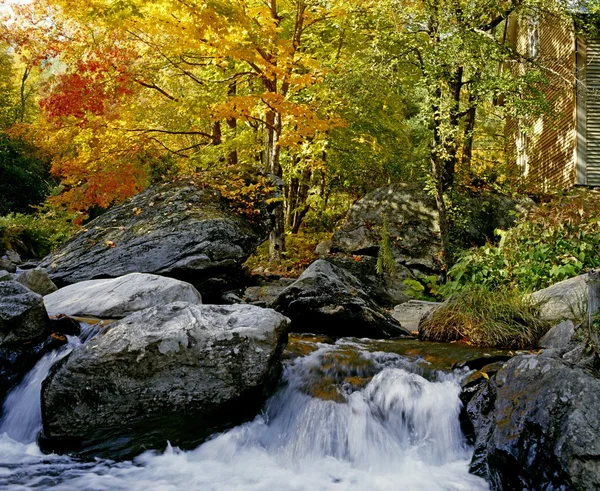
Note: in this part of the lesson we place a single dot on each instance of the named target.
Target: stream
(352, 415)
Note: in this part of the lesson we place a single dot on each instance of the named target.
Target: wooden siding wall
(592, 113)
(551, 144)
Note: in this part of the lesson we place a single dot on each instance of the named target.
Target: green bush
(558, 240)
(487, 318)
(34, 236)
(25, 180)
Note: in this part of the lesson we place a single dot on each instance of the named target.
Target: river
(352, 415)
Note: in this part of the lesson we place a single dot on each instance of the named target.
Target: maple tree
(225, 82)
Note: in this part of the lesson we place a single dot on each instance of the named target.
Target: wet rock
(327, 299)
(23, 317)
(559, 336)
(537, 426)
(19, 358)
(174, 373)
(7, 265)
(119, 297)
(410, 314)
(13, 257)
(564, 300)
(174, 230)
(37, 280)
(6, 276)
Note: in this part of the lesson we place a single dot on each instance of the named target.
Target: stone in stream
(119, 297)
(176, 373)
(327, 299)
(537, 426)
(175, 230)
(24, 332)
(37, 280)
(23, 317)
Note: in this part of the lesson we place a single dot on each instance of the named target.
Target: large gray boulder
(119, 297)
(174, 229)
(23, 317)
(327, 299)
(413, 225)
(537, 426)
(412, 222)
(564, 300)
(174, 373)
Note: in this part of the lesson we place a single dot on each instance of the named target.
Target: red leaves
(97, 82)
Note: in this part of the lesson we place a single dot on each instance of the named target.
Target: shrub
(487, 318)
(35, 235)
(556, 241)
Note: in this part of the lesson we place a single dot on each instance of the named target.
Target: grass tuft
(487, 318)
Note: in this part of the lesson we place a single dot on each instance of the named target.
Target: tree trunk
(273, 165)
(232, 157)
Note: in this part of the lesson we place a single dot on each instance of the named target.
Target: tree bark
(232, 157)
(273, 165)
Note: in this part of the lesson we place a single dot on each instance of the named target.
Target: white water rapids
(397, 431)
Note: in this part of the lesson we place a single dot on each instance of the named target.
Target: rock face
(174, 230)
(564, 300)
(23, 317)
(178, 372)
(327, 299)
(37, 280)
(537, 426)
(119, 297)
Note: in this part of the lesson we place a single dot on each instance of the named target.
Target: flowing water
(346, 417)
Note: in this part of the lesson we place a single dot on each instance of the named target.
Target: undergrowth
(34, 236)
(557, 240)
(488, 318)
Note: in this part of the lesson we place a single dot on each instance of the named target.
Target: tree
(224, 81)
(458, 48)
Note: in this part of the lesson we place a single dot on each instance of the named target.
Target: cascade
(344, 418)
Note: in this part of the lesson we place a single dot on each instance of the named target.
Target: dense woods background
(303, 105)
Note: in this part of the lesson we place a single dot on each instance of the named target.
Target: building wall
(546, 152)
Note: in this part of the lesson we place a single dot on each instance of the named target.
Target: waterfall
(373, 423)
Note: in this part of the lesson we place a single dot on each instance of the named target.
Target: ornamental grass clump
(486, 318)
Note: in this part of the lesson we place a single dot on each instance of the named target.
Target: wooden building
(560, 149)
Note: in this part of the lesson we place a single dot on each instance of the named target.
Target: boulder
(266, 294)
(559, 336)
(327, 299)
(174, 229)
(564, 300)
(412, 223)
(119, 297)
(6, 276)
(37, 280)
(410, 314)
(7, 265)
(537, 426)
(176, 373)
(23, 317)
